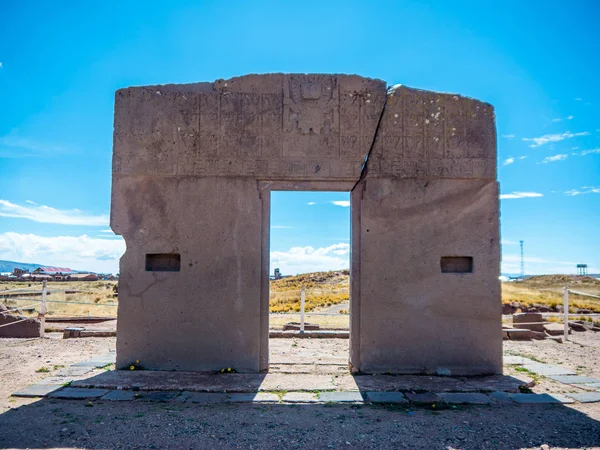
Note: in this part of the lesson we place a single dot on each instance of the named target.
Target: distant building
(20, 272)
(582, 269)
(81, 277)
(53, 271)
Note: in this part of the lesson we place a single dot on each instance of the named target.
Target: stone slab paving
(341, 397)
(501, 397)
(573, 379)
(74, 371)
(119, 395)
(206, 398)
(38, 390)
(586, 397)
(386, 397)
(156, 396)
(300, 397)
(548, 369)
(78, 393)
(422, 397)
(511, 360)
(460, 398)
(594, 386)
(259, 397)
(540, 398)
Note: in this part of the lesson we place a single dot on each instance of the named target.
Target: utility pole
(522, 260)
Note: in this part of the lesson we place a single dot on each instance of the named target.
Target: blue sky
(536, 62)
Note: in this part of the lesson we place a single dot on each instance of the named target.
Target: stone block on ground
(37, 390)
(422, 397)
(386, 397)
(119, 395)
(300, 397)
(207, 398)
(156, 396)
(586, 397)
(577, 326)
(519, 334)
(341, 397)
(554, 329)
(548, 369)
(29, 328)
(296, 326)
(573, 379)
(253, 397)
(540, 398)
(78, 393)
(474, 398)
(529, 321)
(501, 397)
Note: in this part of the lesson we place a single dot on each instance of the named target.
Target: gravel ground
(43, 423)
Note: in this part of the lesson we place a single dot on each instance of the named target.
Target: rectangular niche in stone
(163, 262)
(457, 264)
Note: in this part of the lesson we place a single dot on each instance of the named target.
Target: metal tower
(522, 260)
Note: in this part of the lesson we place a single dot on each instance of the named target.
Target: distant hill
(10, 266)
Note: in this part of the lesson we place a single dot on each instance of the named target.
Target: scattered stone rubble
(531, 325)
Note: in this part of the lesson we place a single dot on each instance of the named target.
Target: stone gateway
(193, 168)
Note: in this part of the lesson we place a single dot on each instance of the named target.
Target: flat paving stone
(461, 398)
(207, 398)
(594, 386)
(386, 397)
(341, 397)
(38, 390)
(501, 397)
(119, 395)
(257, 397)
(548, 369)
(156, 396)
(74, 371)
(78, 393)
(401, 383)
(492, 383)
(540, 398)
(586, 397)
(300, 397)
(574, 379)
(423, 397)
(511, 360)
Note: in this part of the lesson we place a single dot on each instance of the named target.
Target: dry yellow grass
(322, 289)
(94, 299)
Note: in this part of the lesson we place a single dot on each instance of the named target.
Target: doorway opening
(309, 271)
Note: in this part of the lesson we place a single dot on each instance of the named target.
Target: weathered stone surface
(193, 168)
(37, 390)
(473, 398)
(29, 328)
(341, 397)
(540, 398)
(548, 369)
(156, 396)
(256, 397)
(422, 397)
(573, 379)
(554, 329)
(386, 397)
(300, 397)
(586, 397)
(78, 393)
(519, 334)
(529, 321)
(120, 395)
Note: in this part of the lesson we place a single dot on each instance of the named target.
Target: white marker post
(566, 312)
(43, 310)
(302, 299)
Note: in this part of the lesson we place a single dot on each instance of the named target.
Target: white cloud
(76, 252)
(47, 214)
(20, 142)
(522, 157)
(280, 227)
(555, 158)
(570, 117)
(566, 118)
(106, 231)
(312, 203)
(589, 152)
(508, 161)
(542, 140)
(583, 190)
(1, 66)
(556, 120)
(508, 136)
(343, 203)
(308, 259)
(578, 99)
(521, 195)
